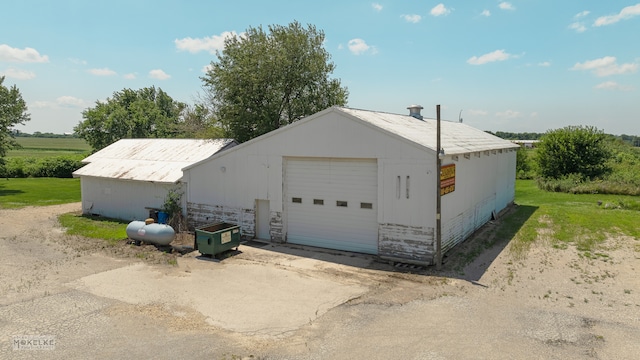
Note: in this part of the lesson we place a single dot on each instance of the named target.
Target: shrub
(58, 167)
(573, 150)
(173, 207)
(567, 183)
(525, 167)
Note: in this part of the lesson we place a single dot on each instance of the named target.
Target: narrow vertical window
(407, 186)
(398, 188)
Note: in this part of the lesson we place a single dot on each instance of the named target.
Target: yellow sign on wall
(447, 179)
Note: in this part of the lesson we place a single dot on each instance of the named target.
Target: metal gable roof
(456, 138)
(155, 160)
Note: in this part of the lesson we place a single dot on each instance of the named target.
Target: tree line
(632, 140)
(45, 135)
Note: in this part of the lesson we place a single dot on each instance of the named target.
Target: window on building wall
(366, 205)
(296, 200)
(318, 202)
(341, 203)
(407, 186)
(398, 188)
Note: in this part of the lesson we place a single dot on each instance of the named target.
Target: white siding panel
(506, 179)
(126, 200)
(351, 228)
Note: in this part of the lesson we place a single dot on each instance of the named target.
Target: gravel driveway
(280, 302)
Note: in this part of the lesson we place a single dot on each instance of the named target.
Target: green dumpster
(216, 238)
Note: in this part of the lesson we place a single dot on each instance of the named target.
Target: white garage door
(331, 203)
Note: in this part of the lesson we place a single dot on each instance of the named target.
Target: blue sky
(520, 66)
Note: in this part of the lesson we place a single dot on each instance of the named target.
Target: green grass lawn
(585, 220)
(17, 193)
(49, 147)
(98, 228)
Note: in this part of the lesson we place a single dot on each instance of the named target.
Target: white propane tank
(156, 234)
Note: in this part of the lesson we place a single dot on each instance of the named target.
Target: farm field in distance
(39, 147)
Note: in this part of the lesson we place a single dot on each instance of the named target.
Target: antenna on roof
(460, 117)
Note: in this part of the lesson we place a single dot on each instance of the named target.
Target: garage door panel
(350, 228)
(323, 242)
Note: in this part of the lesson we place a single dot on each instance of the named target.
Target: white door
(332, 203)
(262, 220)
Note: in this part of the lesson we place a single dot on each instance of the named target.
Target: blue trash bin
(162, 217)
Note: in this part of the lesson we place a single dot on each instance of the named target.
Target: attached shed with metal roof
(131, 176)
(357, 180)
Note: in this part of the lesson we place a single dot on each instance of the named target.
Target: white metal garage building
(131, 176)
(356, 180)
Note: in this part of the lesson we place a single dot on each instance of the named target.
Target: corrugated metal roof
(456, 138)
(156, 160)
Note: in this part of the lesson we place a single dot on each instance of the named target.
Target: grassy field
(17, 193)
(47, 147)
(584, 220)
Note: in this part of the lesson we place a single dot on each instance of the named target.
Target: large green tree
(198, 122)
(581, 150)
(143, 113)
(264, 80)
(13, 111)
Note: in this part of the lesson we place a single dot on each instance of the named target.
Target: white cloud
(498, 55)
(130, 76)
(533, 114)
(69, 101)
(478, 112)
(595, 64)
(40, 104)
(208, 43)
(506, 6)
(102, 72)
(439, 10)
(578, 27)
(509, 114)
(158, 74)
(413, 18)
(359, 46)
(61, 102)
(376, 7)
(544, 63)
(78, 61)
(26, 55)
(612, 85)
(581, 14)
(626, 13)
(19, 74)
(205, 69)
(606, 66)
(486, 13)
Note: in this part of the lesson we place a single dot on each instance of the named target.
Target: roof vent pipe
(414, 110)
